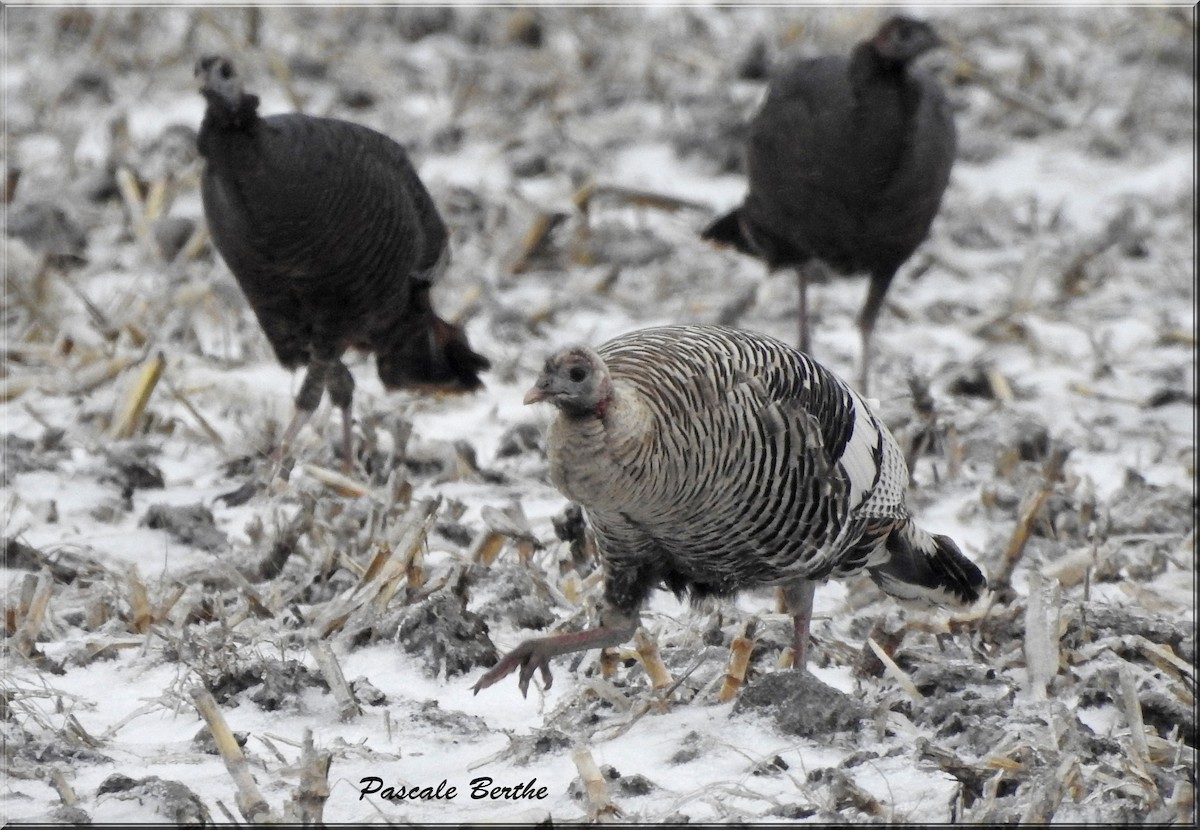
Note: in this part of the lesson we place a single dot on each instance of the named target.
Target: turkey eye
(577, 374)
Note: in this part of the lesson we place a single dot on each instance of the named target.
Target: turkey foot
(535, 654)
(530, 655)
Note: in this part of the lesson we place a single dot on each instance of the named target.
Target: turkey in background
(335, 242)
(848, 159)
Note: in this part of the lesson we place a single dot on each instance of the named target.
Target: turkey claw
(528, 657)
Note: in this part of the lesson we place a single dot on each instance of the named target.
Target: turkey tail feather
(728, 231)
(464, 363)
(431, 356)
(928, 568)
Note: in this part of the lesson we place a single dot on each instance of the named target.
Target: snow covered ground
(1053, 306)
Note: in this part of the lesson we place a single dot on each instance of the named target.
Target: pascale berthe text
(483, 787)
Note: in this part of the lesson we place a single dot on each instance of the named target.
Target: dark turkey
(848, 159)
(335, 243)
(710, 460)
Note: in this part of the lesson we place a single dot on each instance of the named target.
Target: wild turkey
(848, 159)
(710, 460)
(335, 243)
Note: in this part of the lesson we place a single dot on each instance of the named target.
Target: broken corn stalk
(739, 661)
(595, 788)
(898, 674)
(251, 804)
(343, 485)
(126, 423)
(647, 651)
(487, 547)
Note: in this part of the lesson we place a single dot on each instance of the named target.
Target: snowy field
(1036, 357)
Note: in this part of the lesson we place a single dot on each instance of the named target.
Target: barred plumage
(335, 242)
(711, 459)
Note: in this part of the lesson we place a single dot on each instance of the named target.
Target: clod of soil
(800, 704)
(191, 524)
(172, 800)
(450, 638)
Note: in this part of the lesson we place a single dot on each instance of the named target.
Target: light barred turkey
(710, 460)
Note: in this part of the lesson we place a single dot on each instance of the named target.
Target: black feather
(332, 237)
(847, 162)
(928, 572)
(727, 230)
(848, 159)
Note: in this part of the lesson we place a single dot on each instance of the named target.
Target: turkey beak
(203, 67)
(935, 40)
(537, 393)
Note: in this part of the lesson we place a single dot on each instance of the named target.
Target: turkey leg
(799, 598)
(535, 654)
(802, 282)
(341, 392)
(876, 289)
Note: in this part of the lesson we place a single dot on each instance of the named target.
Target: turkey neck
(594, 458)
(884, 102)
(223, 114)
